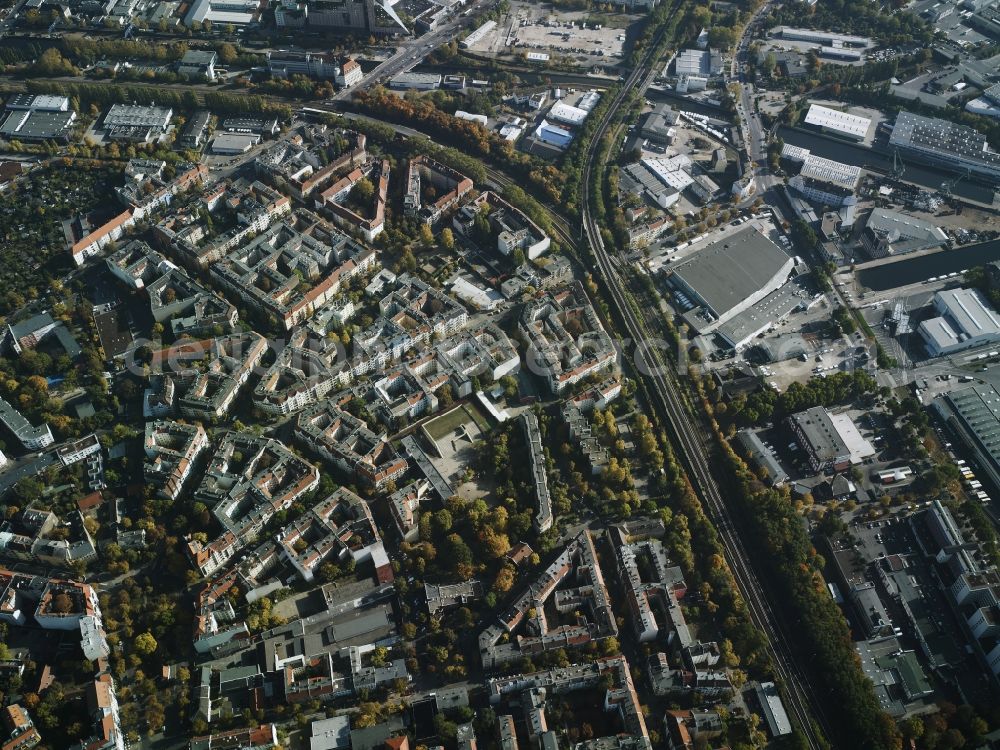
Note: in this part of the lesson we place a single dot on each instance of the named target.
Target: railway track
(559, 224)
(692, 448)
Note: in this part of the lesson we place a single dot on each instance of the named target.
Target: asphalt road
(409, 54)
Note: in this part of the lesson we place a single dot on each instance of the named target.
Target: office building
(889, 232)
(193, 134)
(377, 17)
(831, 441)
(198, 63)
(827, 182)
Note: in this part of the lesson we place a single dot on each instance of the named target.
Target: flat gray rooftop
(727, 272)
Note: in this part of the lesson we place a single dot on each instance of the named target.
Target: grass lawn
(449, 422)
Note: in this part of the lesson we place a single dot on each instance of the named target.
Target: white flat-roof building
(823, 38)
(471, 117)
(567, 114)
(234, 143)
(965, 320)
(774, 710)
(39, 102)
(236, 12)
(416, 81)
(671, 171)
(138, 116)
(478, 35)
(835, 121)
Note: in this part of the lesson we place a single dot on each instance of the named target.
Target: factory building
(945, 144)
(965, 319)
(837, 122)
(729, 276)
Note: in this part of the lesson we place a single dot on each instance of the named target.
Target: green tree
(227, 53)
(145, 644)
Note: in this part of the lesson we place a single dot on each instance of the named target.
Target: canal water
(915, 270)
(861, 156)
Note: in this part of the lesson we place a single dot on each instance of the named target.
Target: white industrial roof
(967, 308)
(670, 172)
(461, 115)
(553, 134)
(568, 114)
(834, 119)
(827, 170)
(51, 102)
(774, 710)
(794, 153)
(589, 100)
(511, 132)
(859, 447)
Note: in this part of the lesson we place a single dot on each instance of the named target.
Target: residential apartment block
(572, 583)
(349, 444)
(171, 451)
(566, 341)
(248, 480)
(448, 185)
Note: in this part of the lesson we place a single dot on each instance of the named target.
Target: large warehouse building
(31, 117)
(945, 144)
(729, 276)
(837, 122)
(964, 320)
(823, 38)
(974, 413)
